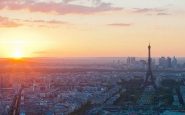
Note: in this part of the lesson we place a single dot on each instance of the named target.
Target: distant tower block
(149, 80)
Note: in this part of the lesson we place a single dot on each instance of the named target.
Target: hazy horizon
(93, 28)
(75, 57)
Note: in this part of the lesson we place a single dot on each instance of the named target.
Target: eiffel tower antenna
(149, 80)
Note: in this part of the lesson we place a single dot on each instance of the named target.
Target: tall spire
(149, 80)
(149, 57)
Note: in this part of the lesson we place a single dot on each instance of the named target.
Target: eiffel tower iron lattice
(149, 80)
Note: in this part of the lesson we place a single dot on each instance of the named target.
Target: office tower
(128, 60)
(174, 62)
(131, 60)
(168, 62)
(162, 62)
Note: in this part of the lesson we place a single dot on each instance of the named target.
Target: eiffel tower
(149, 80)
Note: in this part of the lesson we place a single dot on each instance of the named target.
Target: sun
(17, 54)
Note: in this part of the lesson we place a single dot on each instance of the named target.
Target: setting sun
(17, 55)
(21, 43)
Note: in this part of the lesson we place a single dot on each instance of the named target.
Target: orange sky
(94, 28)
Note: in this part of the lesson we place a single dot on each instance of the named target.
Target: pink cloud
(5, 22)
(60, 8)
(43, 21)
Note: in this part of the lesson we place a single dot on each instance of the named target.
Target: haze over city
(91, 28)
(92, 57)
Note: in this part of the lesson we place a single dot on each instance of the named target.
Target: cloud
(146, 10)
(68, 1)
(163, 14)
(6, 22)
(151, 11)
(119, 24)
(56, 22)
(58, 7)
(43, 21)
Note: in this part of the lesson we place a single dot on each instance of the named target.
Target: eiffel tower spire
(149, 80)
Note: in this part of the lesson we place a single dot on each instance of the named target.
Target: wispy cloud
(120, 24)
(40, 22)
(58, 7)
(43, 21)
(145, 10)
(6, 22)
(151, 11)
(163, 14)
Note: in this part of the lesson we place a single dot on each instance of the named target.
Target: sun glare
(17, 55)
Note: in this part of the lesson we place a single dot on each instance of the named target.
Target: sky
(91, 28)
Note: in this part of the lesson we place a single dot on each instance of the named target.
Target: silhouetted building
(169, 62)
(131, 60)
(162, 62)
(142, 64)
(150, 80)
(174, 62)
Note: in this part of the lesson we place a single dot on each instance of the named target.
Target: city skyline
(94, 28)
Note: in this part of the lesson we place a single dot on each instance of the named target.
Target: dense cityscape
(115, 87)
(92, 57)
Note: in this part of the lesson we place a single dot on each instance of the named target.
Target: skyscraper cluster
(167, 62)
(136, 64)
(131, 60)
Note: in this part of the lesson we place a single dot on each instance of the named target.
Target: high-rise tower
(149, 80)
